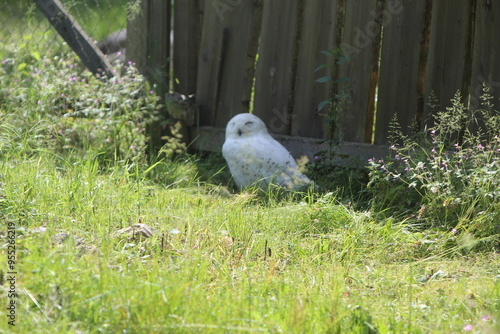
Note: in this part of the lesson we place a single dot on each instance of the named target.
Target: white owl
(254, 157)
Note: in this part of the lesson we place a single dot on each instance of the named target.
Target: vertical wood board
(137, 30)
(148, 41)
(486, 54)
(158, 68)
(188, 23)
(275, 66)
(209, 63)
(318, 34)
(224, 81)
(360, 30)
(447, 52)
(399, 69)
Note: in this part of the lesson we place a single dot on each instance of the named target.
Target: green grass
(223, 263)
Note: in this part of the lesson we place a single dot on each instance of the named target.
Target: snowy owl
(254, 157)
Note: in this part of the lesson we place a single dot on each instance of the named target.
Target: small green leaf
(21, 66)
(328, 52)
(343, 59)
(320, 67)
(323, 104)
(36, 55)
(324, 79)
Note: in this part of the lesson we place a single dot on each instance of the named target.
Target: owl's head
(245, 125)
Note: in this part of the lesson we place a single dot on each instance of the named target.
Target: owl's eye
(248, 123)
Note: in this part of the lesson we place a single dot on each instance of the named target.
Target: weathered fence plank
(159, 44)
(422, 67)
(360, 31)
(399, 69)
(447, 52)
(188, 23)
(75, 36)
(275, 66)
(137, 35)
(209, 64)
(318, 34)
(148, 46)
(486, 54)
(226, 62)
(148, 34)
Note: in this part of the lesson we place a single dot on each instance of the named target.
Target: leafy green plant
(348, 181)
(323, 169)
(333, 109)
(82, 112)
(448, 177)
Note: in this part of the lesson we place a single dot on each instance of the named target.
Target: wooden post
(486, 50)
(317, 34)
(75, 36)
(275, 67)
(399, 71)
(361, 35)
(148, 46)
(137, 30)
(148, 42)
(188, 21)
(226, 59)
(447, 61)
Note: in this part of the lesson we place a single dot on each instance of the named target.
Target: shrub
(448, 176)
(107, 116)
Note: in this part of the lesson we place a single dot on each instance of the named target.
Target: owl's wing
(290, 177)
(262, 159)
(282, 167)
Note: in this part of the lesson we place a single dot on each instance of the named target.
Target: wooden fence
(260, 55)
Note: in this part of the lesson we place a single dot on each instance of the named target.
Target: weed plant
(74, 111)
(447, 177)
